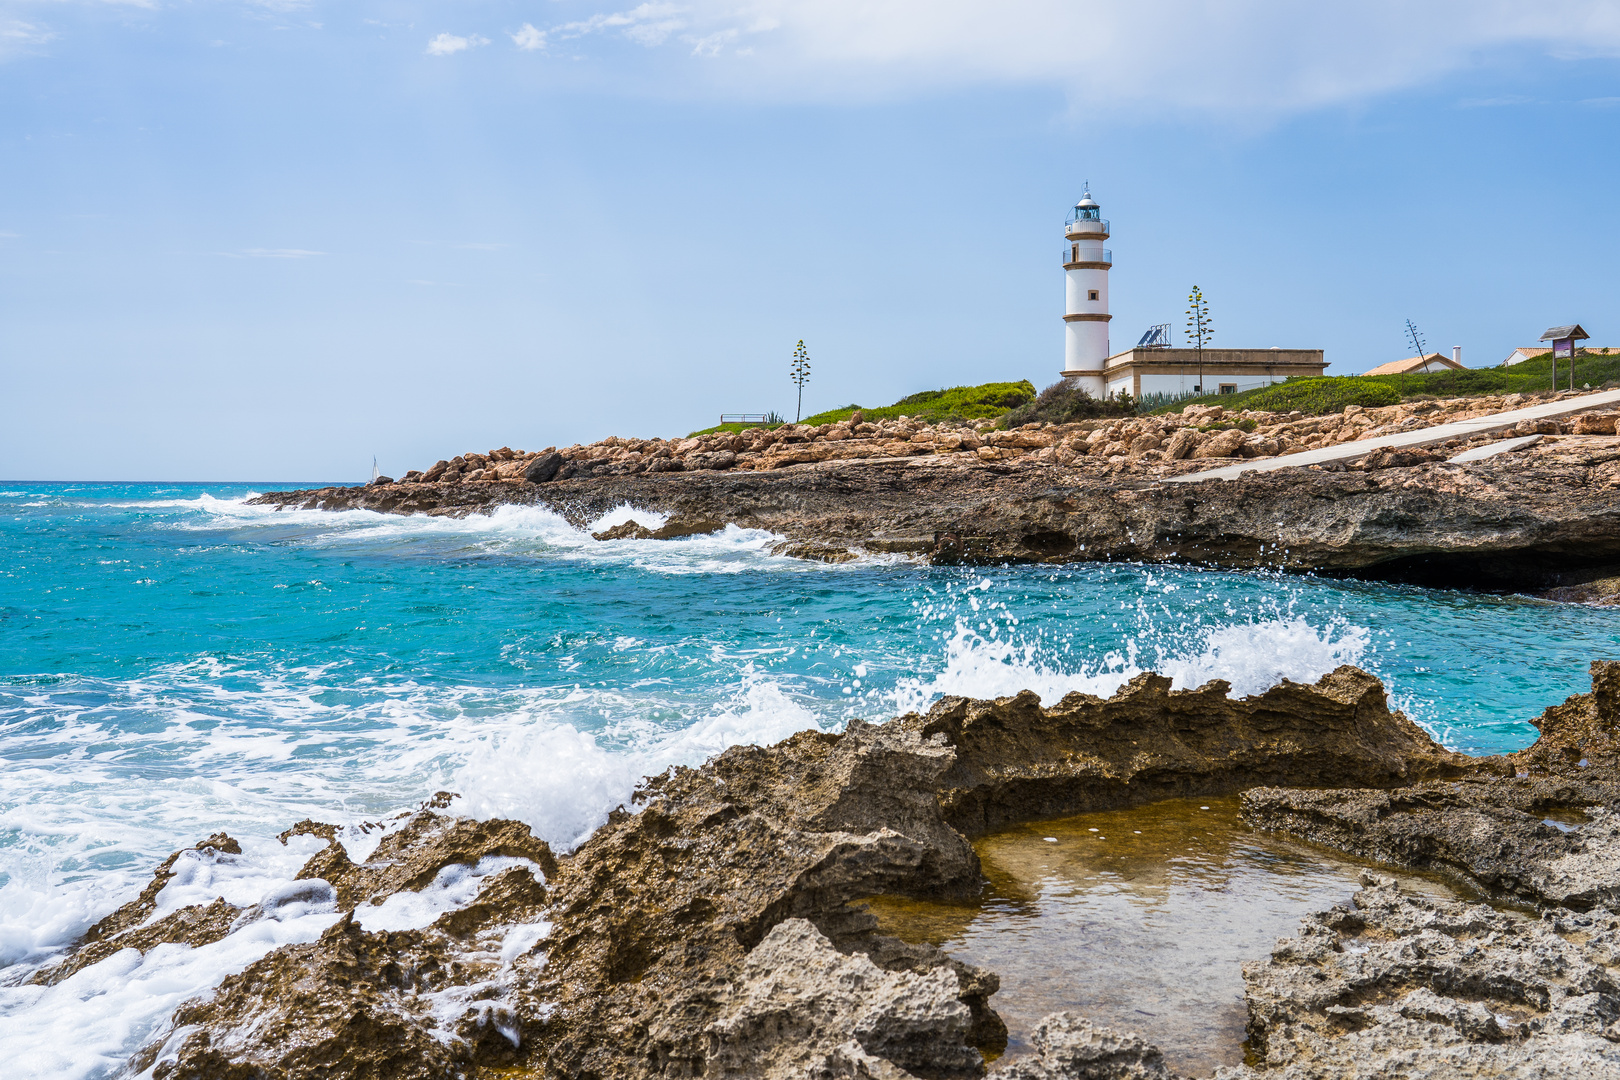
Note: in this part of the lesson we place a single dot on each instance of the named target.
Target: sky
(270, 240)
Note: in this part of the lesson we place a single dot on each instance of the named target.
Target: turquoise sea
(174, 662)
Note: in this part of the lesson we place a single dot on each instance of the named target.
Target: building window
(1228, 388)
(1092, 295)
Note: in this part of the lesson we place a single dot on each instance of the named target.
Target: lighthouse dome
(1086, 209)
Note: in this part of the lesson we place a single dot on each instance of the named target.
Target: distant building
(1152, 367)
(1417, 365)
(1520, 355)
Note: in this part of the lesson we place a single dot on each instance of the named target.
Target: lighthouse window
(1091, 295)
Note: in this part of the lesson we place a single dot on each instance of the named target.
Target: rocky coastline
(717, 928)
(1544, 519)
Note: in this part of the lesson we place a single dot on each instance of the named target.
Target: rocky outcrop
(1198, 431)
(1537, 827)
(1397, 986)
(719, 930)
(802, 1008)
(1407, 986)
(422, 1003)
(1547, 517)
(1070, 1047)
(1015, 761)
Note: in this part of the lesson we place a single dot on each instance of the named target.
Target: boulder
(543, 468)
(720, 459)
(1221, 444)
(1593, 424)
(1182, 444)
(629, 530)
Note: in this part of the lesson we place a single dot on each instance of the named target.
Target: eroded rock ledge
(1544, 518)
(718, 932)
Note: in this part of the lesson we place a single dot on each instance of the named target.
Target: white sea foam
(455, 886)
(563, 782)
(1250, 656)
(88, 1024)
(624, 513)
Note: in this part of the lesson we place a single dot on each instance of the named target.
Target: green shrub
(955, 403)
(1328, 394)
(1064, 401)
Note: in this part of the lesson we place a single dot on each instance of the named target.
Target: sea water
(175, 662)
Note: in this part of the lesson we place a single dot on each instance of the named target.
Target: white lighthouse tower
(1085, 315)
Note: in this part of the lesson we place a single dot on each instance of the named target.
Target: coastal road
(1461, 429)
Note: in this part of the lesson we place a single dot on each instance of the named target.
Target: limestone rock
(1220, 444)
(801, 1004)
(1593, 424)
(1396, 986)
(1070, 1047)
(629, 530)
(1015, 760)
(719, 459)
(1182, 443)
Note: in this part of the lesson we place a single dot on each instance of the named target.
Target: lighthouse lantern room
(1085, 318)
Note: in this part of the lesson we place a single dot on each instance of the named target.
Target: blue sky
(269, 240)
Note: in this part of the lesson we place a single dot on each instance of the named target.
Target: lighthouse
(1085, 314)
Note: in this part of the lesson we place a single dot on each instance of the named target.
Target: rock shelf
(716, 930)
(1543, 518)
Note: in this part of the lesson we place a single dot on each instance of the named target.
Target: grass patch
(1331, 393)
(986, 401)
(983, 402)
(1313, 396)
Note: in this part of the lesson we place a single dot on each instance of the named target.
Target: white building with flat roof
(1152, 366)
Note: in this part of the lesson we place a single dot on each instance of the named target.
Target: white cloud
(19, 38)
(445, 44)
(650, 24)
(529, 39)
(1266, 57)
(276, 253)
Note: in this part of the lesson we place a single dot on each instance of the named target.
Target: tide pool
(174, 662)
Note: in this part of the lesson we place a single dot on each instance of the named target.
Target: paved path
(1461, 429)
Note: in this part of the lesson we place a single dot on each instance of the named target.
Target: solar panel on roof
(1157, 337)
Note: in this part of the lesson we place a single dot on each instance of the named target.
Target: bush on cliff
(1317, 397)
(1065, 401)
(986, 401)
(1311, 396)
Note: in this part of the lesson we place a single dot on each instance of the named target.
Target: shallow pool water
(1137, 919)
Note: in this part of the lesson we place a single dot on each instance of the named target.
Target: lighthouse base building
(1151, 367)
(1177, 372)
